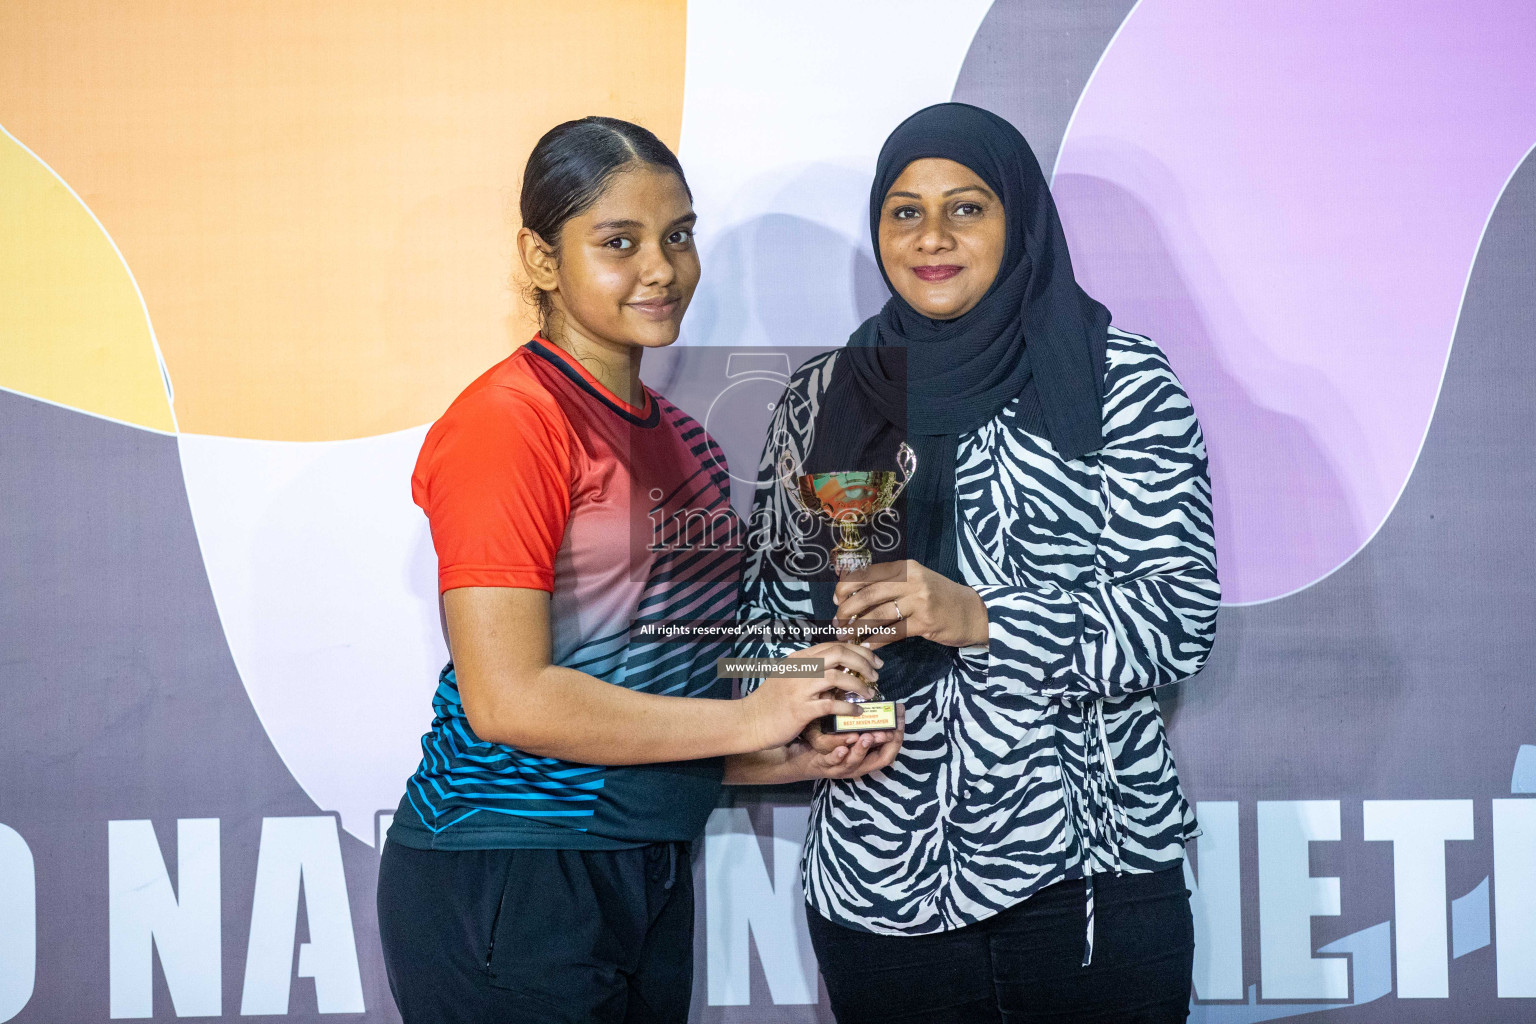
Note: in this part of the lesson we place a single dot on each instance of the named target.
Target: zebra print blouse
(1041, 755)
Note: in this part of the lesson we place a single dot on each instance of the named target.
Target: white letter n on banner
(739, 899)
(1216, 899)
(144, 912)
(295, 850)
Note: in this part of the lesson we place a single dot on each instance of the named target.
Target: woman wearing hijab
(1021, 858)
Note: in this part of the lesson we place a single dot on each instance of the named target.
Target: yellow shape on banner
(72, 329)
(319, 200)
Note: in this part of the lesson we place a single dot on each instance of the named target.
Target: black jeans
(538, 936)
(1025, 964)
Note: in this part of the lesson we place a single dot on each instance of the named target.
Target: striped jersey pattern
(651, 536)
(1041, 755)
(461, 774)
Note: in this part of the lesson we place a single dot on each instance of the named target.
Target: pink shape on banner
(1289, 198)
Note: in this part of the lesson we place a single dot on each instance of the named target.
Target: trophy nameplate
(873, 715)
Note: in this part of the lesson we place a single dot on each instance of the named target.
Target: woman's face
(941, 237)
(628, 267)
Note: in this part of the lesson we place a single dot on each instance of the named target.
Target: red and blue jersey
(538, 476)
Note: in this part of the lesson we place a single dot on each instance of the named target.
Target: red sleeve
(494, 479)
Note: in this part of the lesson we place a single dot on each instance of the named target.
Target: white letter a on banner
(295, 851)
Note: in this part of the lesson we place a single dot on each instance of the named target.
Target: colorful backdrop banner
(249, 251)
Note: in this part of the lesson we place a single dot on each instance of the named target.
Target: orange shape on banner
(318, 200)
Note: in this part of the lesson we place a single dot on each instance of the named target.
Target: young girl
(538, 867)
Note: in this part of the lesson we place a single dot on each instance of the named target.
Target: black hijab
(1035, 337)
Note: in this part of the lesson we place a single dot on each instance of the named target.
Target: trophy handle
(906, 460)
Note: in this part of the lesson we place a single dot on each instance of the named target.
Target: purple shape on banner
(1288, 198)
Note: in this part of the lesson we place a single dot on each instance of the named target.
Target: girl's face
(941, 237)
(628, 267)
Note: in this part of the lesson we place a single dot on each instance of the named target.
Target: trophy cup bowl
(849, 499)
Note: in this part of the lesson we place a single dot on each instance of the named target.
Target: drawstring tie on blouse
(1095, 811)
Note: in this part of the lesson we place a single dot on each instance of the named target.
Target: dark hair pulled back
(569, 169)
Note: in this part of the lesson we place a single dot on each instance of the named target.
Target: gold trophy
(850, 499)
